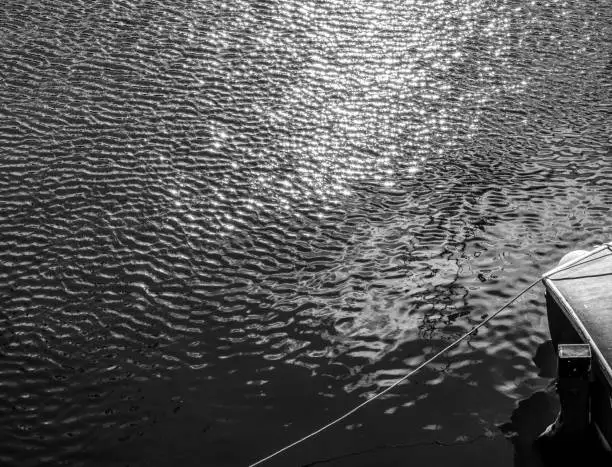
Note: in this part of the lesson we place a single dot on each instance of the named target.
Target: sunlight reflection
(365, 92)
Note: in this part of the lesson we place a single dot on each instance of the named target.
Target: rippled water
(224, 223)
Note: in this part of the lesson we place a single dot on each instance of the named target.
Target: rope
(431, 359)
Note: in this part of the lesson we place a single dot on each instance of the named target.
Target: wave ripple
(221, 221)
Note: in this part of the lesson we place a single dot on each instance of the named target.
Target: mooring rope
(563, 267)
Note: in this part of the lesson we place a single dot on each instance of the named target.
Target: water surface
(225, 223)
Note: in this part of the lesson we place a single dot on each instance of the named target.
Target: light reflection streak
(370, 91)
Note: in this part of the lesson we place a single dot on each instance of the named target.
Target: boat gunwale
(579, 326)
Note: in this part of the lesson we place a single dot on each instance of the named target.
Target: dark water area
(223, 224)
